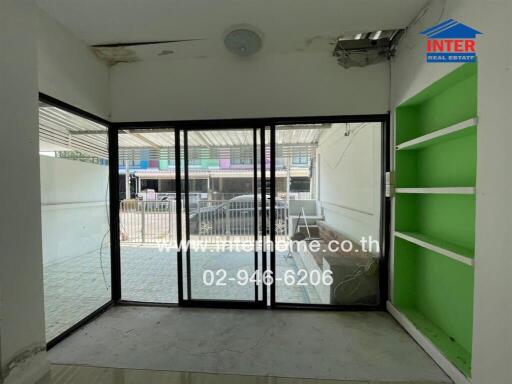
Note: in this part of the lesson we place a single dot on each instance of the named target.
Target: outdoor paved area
(149, 274)
(76, 286)
(73, 288)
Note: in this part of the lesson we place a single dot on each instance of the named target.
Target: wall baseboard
(428, 347)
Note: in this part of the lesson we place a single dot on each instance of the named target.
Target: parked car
(147, 195)
(235, 217)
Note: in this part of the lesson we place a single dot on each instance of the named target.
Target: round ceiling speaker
(243, 42)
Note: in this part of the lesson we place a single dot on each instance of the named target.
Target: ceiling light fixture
(243, 41)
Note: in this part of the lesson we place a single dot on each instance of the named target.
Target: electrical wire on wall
(351, 135)
(107, 287)
(420, 16)
(342, 286)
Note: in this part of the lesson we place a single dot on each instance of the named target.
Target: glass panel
(328, 191)
(147, 215)
(261, 226)
(75, 217)
(184, 233)
(221, 212)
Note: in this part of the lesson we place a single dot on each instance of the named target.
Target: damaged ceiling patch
(114, 55)
(165, 52)
(125, 52)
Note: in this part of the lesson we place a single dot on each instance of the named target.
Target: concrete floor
(361, 346)
(73, 374)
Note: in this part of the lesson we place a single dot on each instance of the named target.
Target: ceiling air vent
(366, 48)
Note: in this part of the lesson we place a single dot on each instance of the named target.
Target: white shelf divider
(443, 190)
(437, 135)
(452, 251)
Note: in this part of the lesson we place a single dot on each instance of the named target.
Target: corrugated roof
(224, 173)
(75, 133)
(72, 132)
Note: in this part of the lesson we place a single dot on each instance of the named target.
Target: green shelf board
(450, 349)
(447, 102)
(449, 81)
(445, 163)
(452, 132)
(453, 251)
(449, 217)
(439, 190)
(435, 195)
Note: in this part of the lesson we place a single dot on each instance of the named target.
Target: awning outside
(224, 173)
(61, 130)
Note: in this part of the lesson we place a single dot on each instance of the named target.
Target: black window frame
(266, 123)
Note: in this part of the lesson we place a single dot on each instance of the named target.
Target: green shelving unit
(435, 173)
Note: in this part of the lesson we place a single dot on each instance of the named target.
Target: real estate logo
(451, 42)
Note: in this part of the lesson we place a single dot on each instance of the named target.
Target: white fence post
(143, 221)
(170, 220)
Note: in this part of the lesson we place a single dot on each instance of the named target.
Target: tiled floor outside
(75, 287)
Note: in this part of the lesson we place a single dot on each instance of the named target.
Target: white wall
(70, 181)
(22, 338)
(69, 70)
(492, 336)
(301, 84)
(74, 204)
(350, 177)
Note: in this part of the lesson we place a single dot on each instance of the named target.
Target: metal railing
(147, 221)
(210, 221)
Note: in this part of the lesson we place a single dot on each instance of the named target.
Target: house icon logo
(451, 42)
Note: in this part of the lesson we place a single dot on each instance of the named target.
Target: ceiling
(286, 25)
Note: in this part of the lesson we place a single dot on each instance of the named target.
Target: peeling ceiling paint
(288, 25)
(114, 55)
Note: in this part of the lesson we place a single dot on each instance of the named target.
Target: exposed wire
(101, 261)
(353, 134)
(105, 235)
(358, 273)
(420, 16)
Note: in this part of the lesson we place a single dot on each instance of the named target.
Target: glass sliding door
(148, 217)
(329, 179)
(223, 207)
(254, 217)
